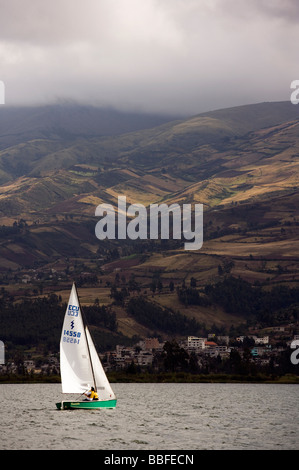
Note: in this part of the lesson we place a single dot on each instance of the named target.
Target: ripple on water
(155, 416)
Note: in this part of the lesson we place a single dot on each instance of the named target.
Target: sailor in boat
(91, 395)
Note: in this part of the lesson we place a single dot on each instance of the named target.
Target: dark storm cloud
(169, 56)
(287, 10)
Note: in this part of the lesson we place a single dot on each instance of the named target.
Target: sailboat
(80, 366)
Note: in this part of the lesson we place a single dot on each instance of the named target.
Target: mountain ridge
(37, 154)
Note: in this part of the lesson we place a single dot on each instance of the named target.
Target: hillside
(241, 163)
(69, 121)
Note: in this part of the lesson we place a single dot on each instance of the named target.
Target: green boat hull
(86, 405)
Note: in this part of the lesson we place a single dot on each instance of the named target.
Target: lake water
(154, 417)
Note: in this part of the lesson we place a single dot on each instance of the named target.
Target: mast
(89, 355)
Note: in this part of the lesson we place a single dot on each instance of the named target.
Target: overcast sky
(170, 56)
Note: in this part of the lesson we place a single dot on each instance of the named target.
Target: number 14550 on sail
(71, 336)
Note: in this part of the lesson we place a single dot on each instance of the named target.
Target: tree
(153, 286)
(235, 361)
(175, 358)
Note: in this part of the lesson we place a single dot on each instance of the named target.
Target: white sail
(102, 384)
(80, 366)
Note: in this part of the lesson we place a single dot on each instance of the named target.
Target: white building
(216, 350)
(223, 339)
(196, 343)
(263, 340)
(144, 358)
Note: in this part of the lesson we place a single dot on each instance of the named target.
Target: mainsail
(80, 366)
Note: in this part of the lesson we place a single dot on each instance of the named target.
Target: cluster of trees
(100, 316)
(14, 229)
(90, 279)
(238, 296)
(30, 322)
(191, 296)
(38, 322)
(155, 317)
(235, 295)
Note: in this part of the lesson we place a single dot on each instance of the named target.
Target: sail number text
(73, 310)
(71, 336)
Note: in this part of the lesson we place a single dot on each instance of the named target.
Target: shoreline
(178, 377)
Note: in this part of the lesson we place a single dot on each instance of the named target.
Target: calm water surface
(154, 417)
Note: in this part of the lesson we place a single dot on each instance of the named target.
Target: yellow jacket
(94, 395)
